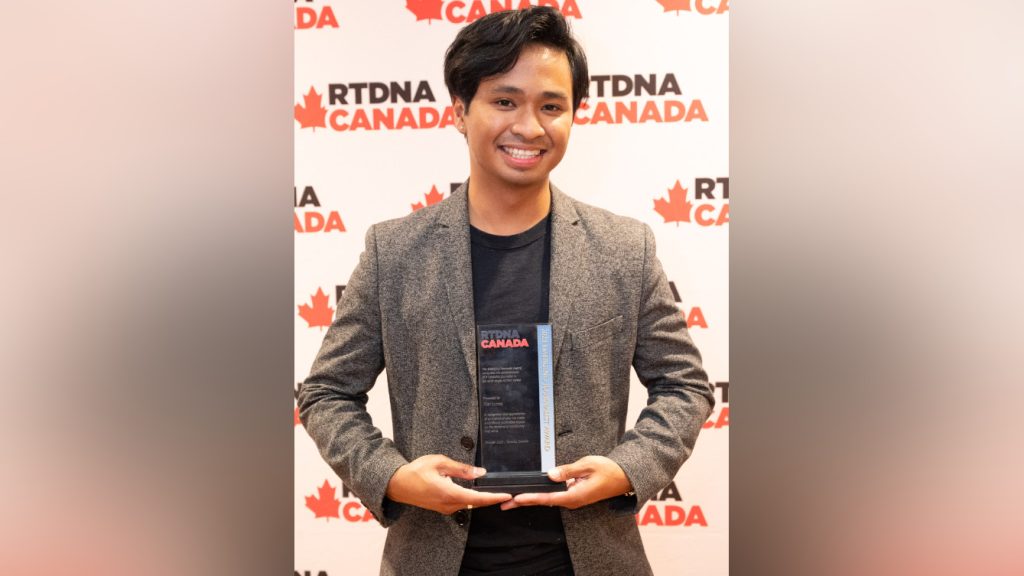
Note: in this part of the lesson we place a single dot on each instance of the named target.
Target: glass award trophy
(517, 408)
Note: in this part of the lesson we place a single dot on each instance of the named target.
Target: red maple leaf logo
(320, 313)
(297, 421)
(676, 5)
(676, 208)
(432, 197)
(311, 114)
(425, 9)
(324, 505)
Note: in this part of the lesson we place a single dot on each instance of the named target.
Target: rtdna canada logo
(705, 210)
(325, 504)
(430, 198)
(313, 219)
(720, 417)
(318, 313)
(464, 12)
(307, 16)
(659, 512)
(372, 106)
(694, 316)
(638, 99)
(704, 7)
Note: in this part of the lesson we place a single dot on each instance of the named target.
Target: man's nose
(527, 125)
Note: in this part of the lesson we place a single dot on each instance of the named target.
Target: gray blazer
(409, 308)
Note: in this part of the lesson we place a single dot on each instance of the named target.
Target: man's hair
(491, 46)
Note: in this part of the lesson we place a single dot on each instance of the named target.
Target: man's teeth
(521, 154)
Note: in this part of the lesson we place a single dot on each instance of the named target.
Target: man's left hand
(590, 479)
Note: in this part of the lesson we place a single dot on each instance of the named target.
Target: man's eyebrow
(508, 89)
(555, 95)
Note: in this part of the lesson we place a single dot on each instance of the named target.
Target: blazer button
(461, 517)
(467, 443)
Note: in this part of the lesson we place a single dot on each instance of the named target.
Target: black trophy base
(517, 483)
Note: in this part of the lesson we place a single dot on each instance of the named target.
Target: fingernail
(555, 474)
(479, 472)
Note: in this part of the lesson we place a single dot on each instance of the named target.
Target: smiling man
(508, 248)
(517, 127)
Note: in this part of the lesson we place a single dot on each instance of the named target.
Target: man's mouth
(521, 153)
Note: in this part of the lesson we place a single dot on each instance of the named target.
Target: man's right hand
(426, 482)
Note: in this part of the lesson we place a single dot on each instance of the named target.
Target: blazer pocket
(596, 334)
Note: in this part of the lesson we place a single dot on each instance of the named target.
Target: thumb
(451, 468)
(566, 471)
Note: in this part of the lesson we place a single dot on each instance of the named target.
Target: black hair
(491, 46)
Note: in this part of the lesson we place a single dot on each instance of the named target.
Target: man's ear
(459, 108)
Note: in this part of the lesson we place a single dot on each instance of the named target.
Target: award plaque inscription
(517, 408)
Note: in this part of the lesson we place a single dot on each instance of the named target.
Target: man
(508, 247)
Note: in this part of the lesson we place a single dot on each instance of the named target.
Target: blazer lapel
(567, 269)
(452, 242)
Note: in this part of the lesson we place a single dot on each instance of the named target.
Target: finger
(509, 504)
(535, 499)
(451, 468)
(490, 498)
(466, 497)
(530, 499)
(567, 499)
(566, 471)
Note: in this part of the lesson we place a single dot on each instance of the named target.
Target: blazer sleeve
(332, 400)
(679, 396)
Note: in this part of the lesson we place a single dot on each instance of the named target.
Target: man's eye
(504, 102)
(553, 107)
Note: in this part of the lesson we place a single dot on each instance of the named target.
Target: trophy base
(517, 483)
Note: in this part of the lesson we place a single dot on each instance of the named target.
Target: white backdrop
(374, 137)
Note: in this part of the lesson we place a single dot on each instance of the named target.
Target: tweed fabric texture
(408, 307)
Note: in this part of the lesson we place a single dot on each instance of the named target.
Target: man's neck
(507, 212)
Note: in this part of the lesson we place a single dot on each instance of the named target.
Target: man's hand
(426, 482)
(590, 479)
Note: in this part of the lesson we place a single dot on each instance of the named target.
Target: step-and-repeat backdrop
(375, 139)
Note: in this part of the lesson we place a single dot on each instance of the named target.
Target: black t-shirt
(510, 285)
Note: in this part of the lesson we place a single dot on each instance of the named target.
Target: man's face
(517, 126)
